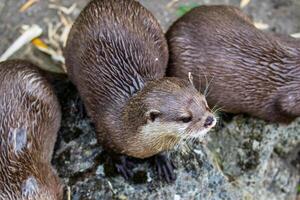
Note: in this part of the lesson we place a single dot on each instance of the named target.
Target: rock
(259, 171)
(239, 163)
(245, 158)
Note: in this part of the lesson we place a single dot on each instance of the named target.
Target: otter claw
(165, 168)
(124, 171)
(124, 167)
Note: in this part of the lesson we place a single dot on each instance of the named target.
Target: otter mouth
(201, 133)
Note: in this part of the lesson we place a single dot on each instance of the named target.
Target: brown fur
(251, 71)
(116, 55)
(29, 121)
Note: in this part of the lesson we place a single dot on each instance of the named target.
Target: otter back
(249, 71)
(29, 122)
(114, 47)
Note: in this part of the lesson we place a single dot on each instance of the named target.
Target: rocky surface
(248, 154)
(245, 158)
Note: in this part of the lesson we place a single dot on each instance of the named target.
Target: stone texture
(245, 158)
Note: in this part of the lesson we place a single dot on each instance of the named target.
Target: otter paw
(165, 168)
(124, 167)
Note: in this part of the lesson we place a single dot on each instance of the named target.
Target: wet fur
(116, 55)
(29, 121)
(252, 71)
(170, 96)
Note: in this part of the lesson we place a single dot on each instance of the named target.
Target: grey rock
(245, 158)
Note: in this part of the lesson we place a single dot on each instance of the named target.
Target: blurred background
(245, 158)
(55, 18)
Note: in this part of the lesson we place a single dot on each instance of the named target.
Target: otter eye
(152, 115)
(186, 119)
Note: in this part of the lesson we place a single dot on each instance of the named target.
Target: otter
(29, 122)
(116, 55)
(250, 71)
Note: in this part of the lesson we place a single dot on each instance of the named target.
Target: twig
(69, 193)
(27, 5)
(295, 35)
(244, 3)
(65, 10)
(33, 32)
(171, 3)
(261, 25)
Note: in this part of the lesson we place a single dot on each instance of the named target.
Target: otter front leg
(122, 164)
(124, 167)
(165, 167)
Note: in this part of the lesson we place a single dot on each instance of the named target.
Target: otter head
(167, 111)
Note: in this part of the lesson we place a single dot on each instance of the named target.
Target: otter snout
(210, 122)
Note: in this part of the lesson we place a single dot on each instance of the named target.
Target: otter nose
(209, 121)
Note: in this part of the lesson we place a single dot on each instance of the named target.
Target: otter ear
(152, 115)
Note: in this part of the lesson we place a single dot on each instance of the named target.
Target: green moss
(279, 150)
(250, 162)
(247, 145)
(248, 197)
(183, 9)
(256, 136)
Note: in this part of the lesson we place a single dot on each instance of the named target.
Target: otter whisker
(214, 108)
(206, 91)
(217, 109)
(207, 84)
(179, 144)
(190, 76)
